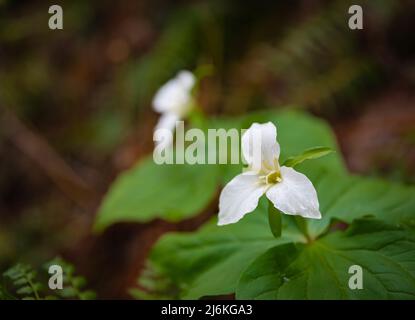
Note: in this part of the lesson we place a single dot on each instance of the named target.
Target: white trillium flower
(174, 101)
(290, 191)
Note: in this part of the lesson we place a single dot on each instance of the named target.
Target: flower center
(273, 177)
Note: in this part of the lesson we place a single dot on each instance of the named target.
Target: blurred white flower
(290, 191)
(174, 101)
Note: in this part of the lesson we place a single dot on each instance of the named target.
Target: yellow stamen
(273, 177)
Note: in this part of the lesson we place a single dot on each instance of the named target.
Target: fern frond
(24, 281)
(73, 285)
(153, 285)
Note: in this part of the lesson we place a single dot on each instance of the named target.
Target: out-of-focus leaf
(150, 191)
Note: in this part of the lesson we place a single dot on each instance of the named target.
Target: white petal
(295, 195)
(260, 147)
(239, 197)
(175, 95)
(167, 121)
(187, 79)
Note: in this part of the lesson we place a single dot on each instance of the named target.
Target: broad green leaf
(313, 153)
(346, 197)
(149, 191)
(210, 261)
(320, 270)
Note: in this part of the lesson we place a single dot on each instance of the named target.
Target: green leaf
(68, 292)
(23, 279)
(73, 284)
(274, 219)
(313, 153)
(20, 282)
(87, 295)
(210, 261)
(24, 290)
(149, 191)
(320, 270)
(78, 282)
(345, 198)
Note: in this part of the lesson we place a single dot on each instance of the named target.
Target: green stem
(302, 226)
(197, 118)
(275, 220)
(37, 297)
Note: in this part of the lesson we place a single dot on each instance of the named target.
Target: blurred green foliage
(21, 281)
